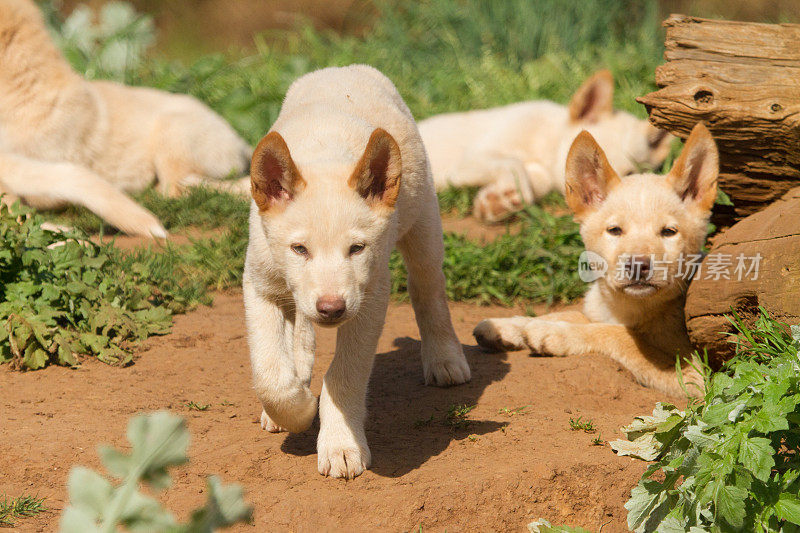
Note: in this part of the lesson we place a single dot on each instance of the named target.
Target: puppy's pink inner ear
(694, 174)
(594, 99)
(273, 175)
(589, 175)
(272, 187)
(376, 177)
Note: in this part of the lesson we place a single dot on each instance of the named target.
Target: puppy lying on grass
(338, 182)
(67, 140)
(643, 227)
(516, 153)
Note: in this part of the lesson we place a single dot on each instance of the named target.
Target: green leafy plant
(111, 46)
(731, 462)
(62, 295)
(20, 507)
(158, 442)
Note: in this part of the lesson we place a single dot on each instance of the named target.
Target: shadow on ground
(407, 421)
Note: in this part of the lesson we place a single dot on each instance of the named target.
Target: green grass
(536, 264)
(442, 55)
(198, 207)
(196, 406)
(457, 201)
(456, 417)
(578, 424)
(20, 507)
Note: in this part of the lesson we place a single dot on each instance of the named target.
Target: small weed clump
(456, 416)
(195, 406)
(578, 424)
(512, 412)
(20, 507)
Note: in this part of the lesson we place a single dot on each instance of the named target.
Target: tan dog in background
(338, 182)
(516, 153)
(67, 140)
(634, 224)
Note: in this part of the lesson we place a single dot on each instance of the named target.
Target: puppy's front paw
(446, 370)
(268, 424)
(342, 456)
(499, 335)
(544, 337)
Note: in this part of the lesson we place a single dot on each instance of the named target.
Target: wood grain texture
(774, 233)
(743, 81)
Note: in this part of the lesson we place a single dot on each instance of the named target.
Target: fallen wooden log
(768, 243)
(743, 81)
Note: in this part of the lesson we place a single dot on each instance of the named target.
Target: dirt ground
(497, 474)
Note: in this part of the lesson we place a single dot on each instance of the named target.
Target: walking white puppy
(340, 179)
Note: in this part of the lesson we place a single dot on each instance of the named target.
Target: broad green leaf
(755, 454)
(89, 491)
(225, 507)
(730, 504)
(76, 520)
(159, 440)
(644, 498)
(788, 508)
(144, 514)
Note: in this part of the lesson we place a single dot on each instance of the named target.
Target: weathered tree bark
(774, 235)
(743, 81)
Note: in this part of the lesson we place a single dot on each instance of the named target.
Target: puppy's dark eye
(299, 249)
(668, 231)
(616, 231)
(356, 249)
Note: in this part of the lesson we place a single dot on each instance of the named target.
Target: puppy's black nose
(638, 267)
(330, 307)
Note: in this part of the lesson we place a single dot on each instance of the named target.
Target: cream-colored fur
(636, 320)
(67, 140)
(516, 153)
(338, 182)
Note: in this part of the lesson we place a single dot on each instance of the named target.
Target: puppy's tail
(47, 185)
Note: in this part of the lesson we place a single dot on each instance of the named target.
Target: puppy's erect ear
(594, 99)
(376, 177)
(274, 178)
(589, 175)
(694, 174)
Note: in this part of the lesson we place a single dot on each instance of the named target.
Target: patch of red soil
(497, 474)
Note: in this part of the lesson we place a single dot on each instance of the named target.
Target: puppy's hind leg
(443, 361)
(46, 185)
(192, 149)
